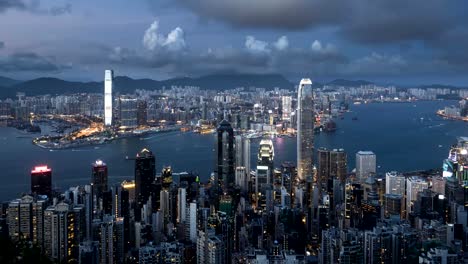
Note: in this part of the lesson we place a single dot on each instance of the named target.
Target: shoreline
(442, 114)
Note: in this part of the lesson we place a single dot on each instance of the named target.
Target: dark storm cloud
(368, 21)
(11, 4)
(291, 14)
(381, 21)
(28, 61)
(34, 6)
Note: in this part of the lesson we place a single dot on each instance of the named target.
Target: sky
(394, 42)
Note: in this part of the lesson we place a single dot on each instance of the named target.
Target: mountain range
(126, 85)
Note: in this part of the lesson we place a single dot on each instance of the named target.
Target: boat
(354, 118)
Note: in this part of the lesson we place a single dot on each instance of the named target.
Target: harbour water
(405, 137)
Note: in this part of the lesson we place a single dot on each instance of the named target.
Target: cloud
(291, 14)
(28, 61)
(2, 44)
(254, 45)
(282, 43)
(11, 4)
(35, 7)
(364, 21)
(378, 64)
(153, 40)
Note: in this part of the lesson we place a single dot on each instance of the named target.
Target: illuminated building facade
(41, 180)
(225, 155)
(365, 164)
(128, 114)
(286, 107)
(99, 178)
(305, 129)
(108, 79)
(145, 172)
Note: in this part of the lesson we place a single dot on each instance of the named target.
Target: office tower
(414, 185)
(338, 164)
(130, 187)
(365, 164)
(266, 155)
(192, 221)
(99, 181)
(142, 113)
(60, 233)
(225, 155)
(286, 107)
(323, 169)
(394, 205)
(181, 205)
(166, 176)
(242, 180)
(305, 129)
(41, 181)
(395, 183)
(438, 185)
(89, 209)
(353, 199)
(242, 148)
(108, 79)
(145, 171)
(111, 240)
(128, 112)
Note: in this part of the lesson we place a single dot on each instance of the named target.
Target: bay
(404, 136)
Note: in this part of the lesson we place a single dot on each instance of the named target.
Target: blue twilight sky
(398, 41)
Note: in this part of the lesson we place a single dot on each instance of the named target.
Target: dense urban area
(311, 210)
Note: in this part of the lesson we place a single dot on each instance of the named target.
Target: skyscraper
(242, 148)
(128, 112)
(145, 171)
(225, 155)
(108, 78)
(41, 181)
(286, 107)
(395, 183)
(99, 179)
(365, 164)
(265, 167)
(60, 233)
(305, 129)
(414, 185)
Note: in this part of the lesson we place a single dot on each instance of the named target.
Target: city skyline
(162, 39)
(249, 132)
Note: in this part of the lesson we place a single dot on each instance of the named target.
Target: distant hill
(349, 83)
(6, 82)
(124, 84)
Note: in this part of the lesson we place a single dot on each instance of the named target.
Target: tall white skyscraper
(287, 107)
(395, 183)
(414, 185)
(181, 205)
(305, 129)
(108, 79)
(365, 164)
